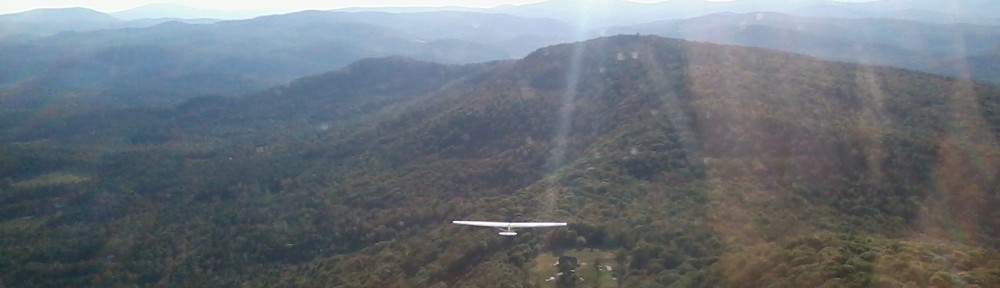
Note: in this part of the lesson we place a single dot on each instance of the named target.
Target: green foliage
(686, 165)
(828, 260)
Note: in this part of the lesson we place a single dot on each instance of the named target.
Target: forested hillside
(677, 164)
(283, 113)
(165, 64)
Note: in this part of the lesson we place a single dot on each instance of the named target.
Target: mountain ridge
(291, 45)
(51, 21)
(84, 70)
(681, 162)
(623, 13)
(886, 42)
(176, 11)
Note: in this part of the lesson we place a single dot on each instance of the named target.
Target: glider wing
(510, 224)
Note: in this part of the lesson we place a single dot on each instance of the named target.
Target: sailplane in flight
(506, 228)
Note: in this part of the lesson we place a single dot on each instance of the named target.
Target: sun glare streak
(966, 164)
(871, 119)
(558, 157)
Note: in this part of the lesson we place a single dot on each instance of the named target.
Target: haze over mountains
(176, 11)
(889, 42)
(600, 13)
(109, 67)
(332, 148)
(164, 64)
(670, 158)
(46, 22)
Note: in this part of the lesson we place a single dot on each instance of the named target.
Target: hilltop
(100, 62)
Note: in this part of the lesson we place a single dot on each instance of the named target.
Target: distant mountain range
(173, 61)
(100, 60)
(603, 13)
(599, 13)
(678, 164)
(46, 22)
(176, 11)
(814, 144)
(900, 43)
(980, 66)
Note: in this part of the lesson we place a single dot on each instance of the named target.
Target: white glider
(507, 227)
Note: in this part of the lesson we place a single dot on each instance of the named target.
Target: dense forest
(677, 164)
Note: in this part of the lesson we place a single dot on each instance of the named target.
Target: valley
(334, 148)
(670, 159)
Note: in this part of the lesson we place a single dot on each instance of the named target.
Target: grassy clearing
(593, 268)
(51, 179)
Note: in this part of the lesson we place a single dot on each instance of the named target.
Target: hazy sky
(271, 6)
(10, 6)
